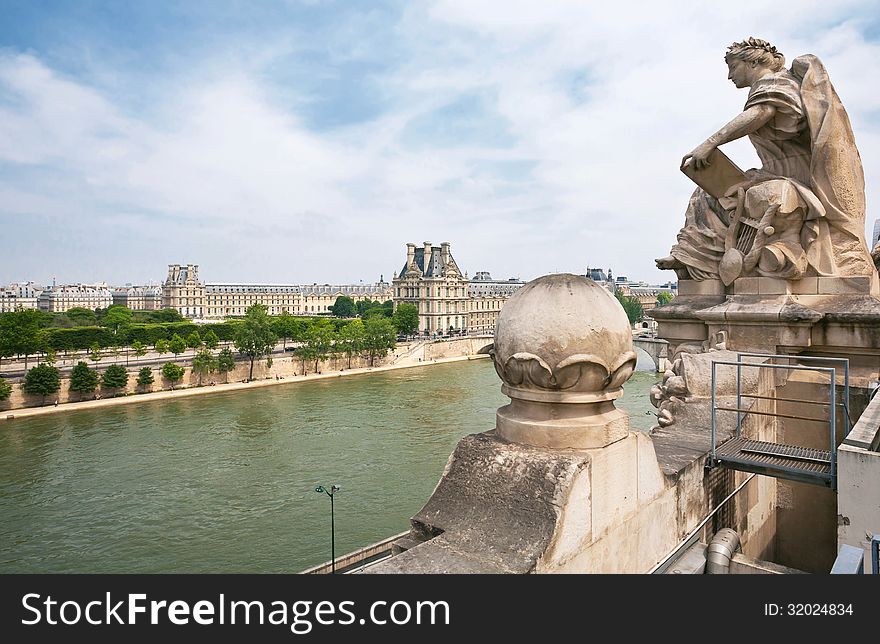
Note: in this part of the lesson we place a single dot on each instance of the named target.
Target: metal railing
(770, 449)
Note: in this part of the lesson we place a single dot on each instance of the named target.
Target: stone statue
(803, 212)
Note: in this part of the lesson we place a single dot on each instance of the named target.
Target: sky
(309, 141)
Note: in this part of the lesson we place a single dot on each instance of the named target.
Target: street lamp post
(330, 492)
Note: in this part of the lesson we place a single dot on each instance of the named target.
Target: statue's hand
(699, 156)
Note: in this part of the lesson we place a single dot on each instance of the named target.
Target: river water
(225, 482)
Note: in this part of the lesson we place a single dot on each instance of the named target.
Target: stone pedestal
(837, 316)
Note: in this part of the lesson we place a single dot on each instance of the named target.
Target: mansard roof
(435, 267)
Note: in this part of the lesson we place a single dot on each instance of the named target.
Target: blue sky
(309, 141)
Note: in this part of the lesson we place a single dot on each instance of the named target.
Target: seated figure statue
(803, 212)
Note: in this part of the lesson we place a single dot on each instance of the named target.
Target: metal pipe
(663, 563)
(720, 551)
(714, 408)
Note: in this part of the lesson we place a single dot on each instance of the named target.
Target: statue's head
(750, 59)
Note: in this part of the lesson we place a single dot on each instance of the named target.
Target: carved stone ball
(563, 333)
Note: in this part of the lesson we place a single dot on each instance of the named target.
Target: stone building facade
(448, 302)
(485, 299)
(138, 298)
(58, 299)
(215, 300)
(184, 291)
(19, 296)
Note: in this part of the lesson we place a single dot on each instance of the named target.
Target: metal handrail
(843, 361)
(832, 404)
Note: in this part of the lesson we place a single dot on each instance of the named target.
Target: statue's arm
(745, 123)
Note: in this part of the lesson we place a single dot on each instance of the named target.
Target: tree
(161, 346)
(145, 377)
(211, 340)
(166, 315)
(225, 363)
(350, 339)
(288, 327)
(204, 363)
(631, 306)
(406, 318)
(664, 297)
(172, 373)
(319, 341)
(22, 333)
(5, 389)
(95, 353)
(344, 307)
(116, 377)
(42, 380)
(82, 379)
(379, 337)
(254, 337)
(81, 317)
(50, 357)
(193, 341)
(139, 348)
(176, 345)
(116, 317)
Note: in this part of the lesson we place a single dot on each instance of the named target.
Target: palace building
(448, 302)
(184, 291)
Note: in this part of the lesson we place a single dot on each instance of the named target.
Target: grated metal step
(775, 459)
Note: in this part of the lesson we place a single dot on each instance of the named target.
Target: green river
(225, 482)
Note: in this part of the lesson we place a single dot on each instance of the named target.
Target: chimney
(427, 260)
(444, 253)
(410, 254)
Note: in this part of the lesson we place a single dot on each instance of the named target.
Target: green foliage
(380, 336)
(344, 307)
(116, 317)
(631, 306)
(116, 377)
(254, 338)
(5, 389)
(193, 340)
(161, 346)
(42, 380)
(165, 315)
(145, 377)
(204, 363)
(173, 373)
(79, 316)
(225, 362)
(95, 352)
(22, 333)
(176, 345)
(287, 327)
(83, 380)
(664, 297)
(406, 318)
(318, 342)
(139, 348)
(350, 339)
(79, 337)
(211, 340)
(50, 357)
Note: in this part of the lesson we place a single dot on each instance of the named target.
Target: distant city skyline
(308, 141)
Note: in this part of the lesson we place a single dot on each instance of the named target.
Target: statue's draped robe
(808, 142)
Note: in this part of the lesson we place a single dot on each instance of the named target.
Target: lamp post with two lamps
(333, 489)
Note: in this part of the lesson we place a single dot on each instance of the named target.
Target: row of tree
(23, 332)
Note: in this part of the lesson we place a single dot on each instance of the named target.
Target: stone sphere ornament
(563, 349)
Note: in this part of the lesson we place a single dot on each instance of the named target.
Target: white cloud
(598, 105)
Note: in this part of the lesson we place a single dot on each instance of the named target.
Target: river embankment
(283, 371)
